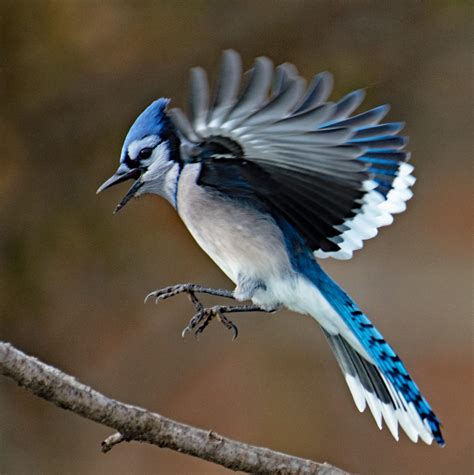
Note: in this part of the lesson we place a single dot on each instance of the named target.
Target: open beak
(119, 178)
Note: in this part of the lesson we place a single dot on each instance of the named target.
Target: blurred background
(73, 76)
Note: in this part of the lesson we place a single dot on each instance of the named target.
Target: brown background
(74, 74)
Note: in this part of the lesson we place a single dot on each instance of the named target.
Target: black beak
(120, 178)
(130, 194)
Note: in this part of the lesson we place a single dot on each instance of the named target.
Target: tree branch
(134, 423)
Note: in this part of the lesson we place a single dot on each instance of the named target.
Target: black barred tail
(386, 401)
(374, 373)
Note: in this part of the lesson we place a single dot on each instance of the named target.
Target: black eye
(145, 153)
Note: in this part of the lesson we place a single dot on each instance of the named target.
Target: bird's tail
(374, 373)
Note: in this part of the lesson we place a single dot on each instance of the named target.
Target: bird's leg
(167, 292)
(205, 315)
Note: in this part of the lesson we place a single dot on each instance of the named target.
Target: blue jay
(268, 178)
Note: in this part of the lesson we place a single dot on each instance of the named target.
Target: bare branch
(134, 423)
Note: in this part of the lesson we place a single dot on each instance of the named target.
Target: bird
(270, 177)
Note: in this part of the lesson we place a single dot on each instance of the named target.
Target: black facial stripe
(174, 143)
(129, 162)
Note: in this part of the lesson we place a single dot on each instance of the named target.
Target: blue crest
(152, 121)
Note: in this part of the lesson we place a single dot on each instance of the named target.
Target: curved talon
(235, 331)
(229, 324)
(165, 293)
(158, 295)
(149, 296)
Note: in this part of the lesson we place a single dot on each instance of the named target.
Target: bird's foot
(205, 315)
(201, 320)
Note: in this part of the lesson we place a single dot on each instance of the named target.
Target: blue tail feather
(383, 356)
(379, 350)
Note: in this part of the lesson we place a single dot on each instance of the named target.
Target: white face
(161, 173)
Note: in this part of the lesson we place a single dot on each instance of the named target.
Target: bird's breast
(242, 241)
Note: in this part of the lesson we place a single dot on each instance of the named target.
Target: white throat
(162, 174)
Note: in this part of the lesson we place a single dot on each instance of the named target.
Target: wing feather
(255, 94)
(304, 122)
(199, 99)
(336, 177)
(282, 77)
(277, 107)
(317, 93)
(227, 88)
(348, 104)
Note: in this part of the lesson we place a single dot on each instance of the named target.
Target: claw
(235, 332)
(229, 324)
(161, 294)
(157, 295)
(151, 294)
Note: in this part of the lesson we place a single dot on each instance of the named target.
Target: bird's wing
(334, 176)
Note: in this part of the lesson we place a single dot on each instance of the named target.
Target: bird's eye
(145, 153)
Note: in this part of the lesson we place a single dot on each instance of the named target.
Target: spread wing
(336, 177)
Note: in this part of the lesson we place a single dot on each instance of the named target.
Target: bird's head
(147, 156)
